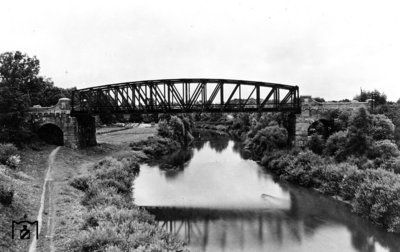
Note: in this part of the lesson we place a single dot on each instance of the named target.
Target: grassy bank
(20, 189)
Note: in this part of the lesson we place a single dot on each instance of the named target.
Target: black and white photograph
(202, 126)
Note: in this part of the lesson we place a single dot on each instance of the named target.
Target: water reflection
(218, 201)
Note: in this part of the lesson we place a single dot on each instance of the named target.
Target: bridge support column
(303, 122)
(86, 131)
(291, 129)
(70, 133)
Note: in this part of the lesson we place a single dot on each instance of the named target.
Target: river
(216, 200)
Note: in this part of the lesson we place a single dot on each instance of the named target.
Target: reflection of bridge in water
(226, 229)
(252, 230)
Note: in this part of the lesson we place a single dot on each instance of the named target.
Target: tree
(359, 138)
(336, 145)
(17, 71)
(21, 87)
(384, 150)
(378, 97)
(382, 127)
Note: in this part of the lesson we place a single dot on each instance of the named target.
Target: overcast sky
(328, 49)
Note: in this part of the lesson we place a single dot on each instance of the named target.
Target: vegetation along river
(216, 200)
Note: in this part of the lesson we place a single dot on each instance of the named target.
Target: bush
(300, 168)
(125, 229)
(384, 149)
(119, 186)
(316, 144)
(13, 161)
(331, 177)
(266, 140)
(6, 151)
(393, 165)
(383, 128)
(156, 146)
(378, 199)
(82, 183)
(351, 182)
(163, 129)
(6, 194)
(97, 195)
(336, 145)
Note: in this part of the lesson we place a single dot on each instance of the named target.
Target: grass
(25, 182)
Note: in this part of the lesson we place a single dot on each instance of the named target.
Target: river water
(216, 200)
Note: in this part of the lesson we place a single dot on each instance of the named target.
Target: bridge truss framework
(186, 96)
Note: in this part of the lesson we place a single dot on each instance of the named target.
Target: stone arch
(322, 127)
(51, 133)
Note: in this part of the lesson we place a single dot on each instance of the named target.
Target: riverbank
(97, 187)
(372, 193)
(65, 214)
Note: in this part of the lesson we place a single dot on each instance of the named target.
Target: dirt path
(51, 159)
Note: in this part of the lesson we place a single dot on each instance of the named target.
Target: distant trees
(318, 99)
(362, 136)
(378, 97)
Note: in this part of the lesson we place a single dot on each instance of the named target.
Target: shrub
(123, 229)
(378, 199)
(331, 177)
(6, 194)
(120, 187)
(299, 168)
(97, 195)
(163, 129)
(13, 161)
(156, 146)
(336, 145)
(351, 182)
(384, 149)
(278, 163)
(316, 144)
(393, 165)
(95, 239)
(267, 139)
(6, 151)
(114, 173)
(82, 183)
(383, 127)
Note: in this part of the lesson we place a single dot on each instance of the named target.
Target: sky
(329, 49)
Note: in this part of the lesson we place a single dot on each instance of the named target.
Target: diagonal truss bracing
(187, 95)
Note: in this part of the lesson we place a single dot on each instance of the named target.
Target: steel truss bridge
(187, 96)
